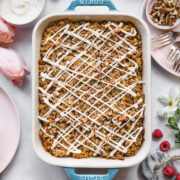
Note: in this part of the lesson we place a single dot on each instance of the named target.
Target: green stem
(176, 146)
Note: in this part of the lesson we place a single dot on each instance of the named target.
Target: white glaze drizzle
(129, 135)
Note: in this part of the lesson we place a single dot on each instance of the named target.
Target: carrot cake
(91, 99)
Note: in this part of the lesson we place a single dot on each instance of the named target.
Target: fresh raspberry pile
(168, 171)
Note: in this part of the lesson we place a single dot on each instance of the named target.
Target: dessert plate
(160, 53)
(9, 129)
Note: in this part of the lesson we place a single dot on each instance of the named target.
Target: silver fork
(173, 56)
(164, 39)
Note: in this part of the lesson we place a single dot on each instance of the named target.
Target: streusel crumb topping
(91, 100)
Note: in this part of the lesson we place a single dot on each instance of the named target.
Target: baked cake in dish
(91, 99)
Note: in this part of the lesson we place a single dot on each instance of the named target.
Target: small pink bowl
(162, 27)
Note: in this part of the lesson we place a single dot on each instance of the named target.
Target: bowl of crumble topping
(163, 14)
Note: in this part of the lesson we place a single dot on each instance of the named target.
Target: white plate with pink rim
(9, 129)
(160, 53)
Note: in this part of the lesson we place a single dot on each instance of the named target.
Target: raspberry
(178, 177)
(157, 134)
(165, 146)
(169, 171)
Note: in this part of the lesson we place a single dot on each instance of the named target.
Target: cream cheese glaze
(20, 11)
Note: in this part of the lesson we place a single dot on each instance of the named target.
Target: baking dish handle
(76, 3)
(73, 176)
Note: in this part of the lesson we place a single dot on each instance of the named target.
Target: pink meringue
(7, 32)
(12, 65)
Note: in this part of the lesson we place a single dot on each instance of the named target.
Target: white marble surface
(26, 165)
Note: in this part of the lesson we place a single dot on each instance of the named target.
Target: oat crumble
(165, 12)
(91, 100)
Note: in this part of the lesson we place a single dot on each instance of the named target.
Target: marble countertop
(26, 165)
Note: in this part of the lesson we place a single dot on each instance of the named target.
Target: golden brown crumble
(165, 12)
(91, 100)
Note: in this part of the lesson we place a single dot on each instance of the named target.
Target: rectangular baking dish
(92, 162)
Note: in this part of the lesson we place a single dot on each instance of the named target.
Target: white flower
(178, 123)
(171, 103)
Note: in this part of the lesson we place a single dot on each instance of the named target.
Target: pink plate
(9, 129)
(159, 54)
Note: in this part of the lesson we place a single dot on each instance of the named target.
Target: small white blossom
(178, 123)
(171, 103)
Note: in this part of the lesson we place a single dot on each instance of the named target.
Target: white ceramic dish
(92, 162)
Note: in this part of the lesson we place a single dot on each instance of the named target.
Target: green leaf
(177, 136)
(178, 112)
(177, 145)
(172, 122)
